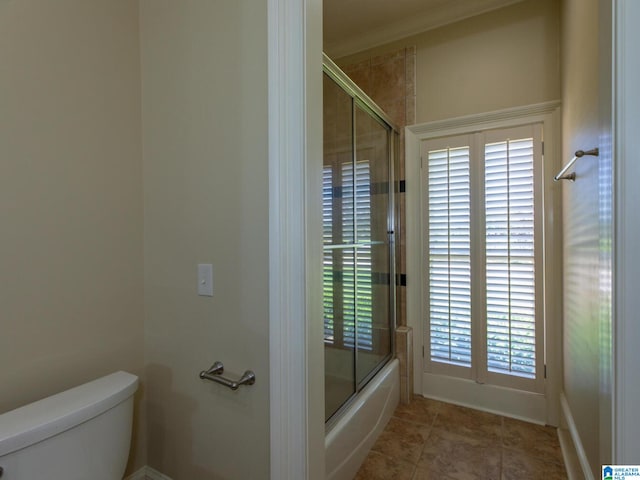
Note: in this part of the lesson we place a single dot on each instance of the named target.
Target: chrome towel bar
(562, 175)
(215, 374)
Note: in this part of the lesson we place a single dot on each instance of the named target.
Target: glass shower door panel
(340, 309)
(372, 307)
(339, 272)
(337, 194)
(372, 255)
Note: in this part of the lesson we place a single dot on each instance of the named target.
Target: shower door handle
(215, 374)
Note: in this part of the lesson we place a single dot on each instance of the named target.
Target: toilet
(80, 434)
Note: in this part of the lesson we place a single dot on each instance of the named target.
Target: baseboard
(509, 402)
(575, 458)
(147, 473)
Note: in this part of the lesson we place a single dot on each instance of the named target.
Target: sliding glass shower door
(357, 288)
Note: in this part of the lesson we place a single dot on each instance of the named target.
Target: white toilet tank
(81, 434)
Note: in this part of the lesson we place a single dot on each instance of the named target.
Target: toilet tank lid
(50, 416)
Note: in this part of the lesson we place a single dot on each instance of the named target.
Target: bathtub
(349, 440)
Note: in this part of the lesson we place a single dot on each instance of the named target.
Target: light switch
(205, 279)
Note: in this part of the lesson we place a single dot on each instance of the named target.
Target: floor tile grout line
(424, 444)
(502, 446)
(413, 473)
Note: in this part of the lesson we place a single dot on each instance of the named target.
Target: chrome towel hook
(572, 176)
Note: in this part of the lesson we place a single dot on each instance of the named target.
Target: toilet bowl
(80, 434)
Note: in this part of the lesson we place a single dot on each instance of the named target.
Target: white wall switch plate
(205, 279)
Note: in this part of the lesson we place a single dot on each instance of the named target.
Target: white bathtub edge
(350, 439)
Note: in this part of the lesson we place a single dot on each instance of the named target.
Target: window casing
(483, 250)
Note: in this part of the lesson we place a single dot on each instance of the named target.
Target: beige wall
(505, 58)
(586, 94)
(502, 59)
(71, 278)
(204, 92)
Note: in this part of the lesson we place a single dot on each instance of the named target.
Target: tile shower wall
(404, 352)
(390, 81)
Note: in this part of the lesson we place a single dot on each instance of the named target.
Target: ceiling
(354, 25)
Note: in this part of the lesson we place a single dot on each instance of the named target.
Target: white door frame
(296, 382)
(626, 257)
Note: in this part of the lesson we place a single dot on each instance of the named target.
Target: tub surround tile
(360, 73)
(409, 364)
(404, 353)
(388, 81)
(403, 388)
(410, 110)
(401, 343)
(410, 75)
(389, 57)
(366, 63)
(401, 299)
(399, 165)
(395, 108)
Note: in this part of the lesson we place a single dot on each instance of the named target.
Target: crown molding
(450, 12)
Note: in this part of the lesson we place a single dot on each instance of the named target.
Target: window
(483, 255)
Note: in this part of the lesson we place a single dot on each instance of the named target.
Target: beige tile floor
(434, 440)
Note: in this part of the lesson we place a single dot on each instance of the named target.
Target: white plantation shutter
(482, 251)
(449, 256)
(510, 259)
